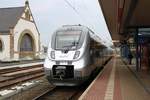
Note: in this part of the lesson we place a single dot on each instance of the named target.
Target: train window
(1, 46)
(68, 39)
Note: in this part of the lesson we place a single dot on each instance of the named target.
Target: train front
(66, 63)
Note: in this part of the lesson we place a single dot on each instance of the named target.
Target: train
(74, 52)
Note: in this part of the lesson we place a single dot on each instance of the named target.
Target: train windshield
(68, 40)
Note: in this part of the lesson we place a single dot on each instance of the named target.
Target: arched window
(1, 46)
(27, 15)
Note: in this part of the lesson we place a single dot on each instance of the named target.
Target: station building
(19, 36)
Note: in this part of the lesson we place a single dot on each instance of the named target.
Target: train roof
(73, 27)
(97, 38)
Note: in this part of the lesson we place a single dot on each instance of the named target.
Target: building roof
(9, 18)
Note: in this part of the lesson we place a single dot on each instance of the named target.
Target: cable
(69, 4)
(83, 19)
(74, 9)
(106, 37)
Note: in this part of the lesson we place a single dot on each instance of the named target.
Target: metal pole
(140, 57)
(137, 53)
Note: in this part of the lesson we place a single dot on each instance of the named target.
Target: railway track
(59, 93)
(14, 69)
(14, 76)
(67, 93)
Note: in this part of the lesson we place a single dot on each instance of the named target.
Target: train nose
(63, 71)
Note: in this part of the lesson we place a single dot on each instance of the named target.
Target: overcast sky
(52, 14)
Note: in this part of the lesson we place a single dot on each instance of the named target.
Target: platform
(118, 82)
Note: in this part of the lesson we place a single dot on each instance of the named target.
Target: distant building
(19, 36)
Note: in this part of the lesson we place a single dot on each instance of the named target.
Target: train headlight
(77, 53)
(53, 54)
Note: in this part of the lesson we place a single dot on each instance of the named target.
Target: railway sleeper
(14, 69)
(19, 76)
(20, 80)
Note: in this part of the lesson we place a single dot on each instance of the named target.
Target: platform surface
(116, 82)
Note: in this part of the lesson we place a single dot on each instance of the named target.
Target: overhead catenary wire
(98, 20)
(76, 11)
(71, 6)
(107, 38)
(81, 17)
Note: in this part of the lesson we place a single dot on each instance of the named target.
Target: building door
(27, 46)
